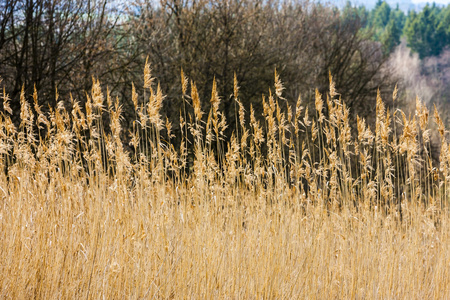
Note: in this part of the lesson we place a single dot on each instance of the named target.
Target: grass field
(296, 207)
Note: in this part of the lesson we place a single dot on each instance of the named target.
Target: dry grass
(300, 209)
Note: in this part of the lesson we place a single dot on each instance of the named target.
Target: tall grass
(296, 206)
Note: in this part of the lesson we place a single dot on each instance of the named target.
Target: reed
(300, 205)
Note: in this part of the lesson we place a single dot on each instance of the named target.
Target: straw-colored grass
(296, 208)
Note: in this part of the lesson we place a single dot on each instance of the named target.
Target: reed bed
(297, 204)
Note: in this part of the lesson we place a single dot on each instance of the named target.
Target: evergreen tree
(391, 36)
(380, 15)
(386, 25)
(399, 18)
(444, 23)
(425, 33)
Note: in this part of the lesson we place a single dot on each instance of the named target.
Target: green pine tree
(426, 33)
(391, 36)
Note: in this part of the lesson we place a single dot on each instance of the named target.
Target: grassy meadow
(300, 203)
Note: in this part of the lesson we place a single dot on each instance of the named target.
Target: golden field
(300, 205)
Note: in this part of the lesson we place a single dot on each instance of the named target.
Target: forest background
(58, 46)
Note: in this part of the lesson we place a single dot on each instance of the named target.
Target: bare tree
(304, 41)
(58, 45)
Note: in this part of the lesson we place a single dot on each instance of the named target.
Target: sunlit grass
(298, 206)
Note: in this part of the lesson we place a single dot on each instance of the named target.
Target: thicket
(56, 46)
(59, 45)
